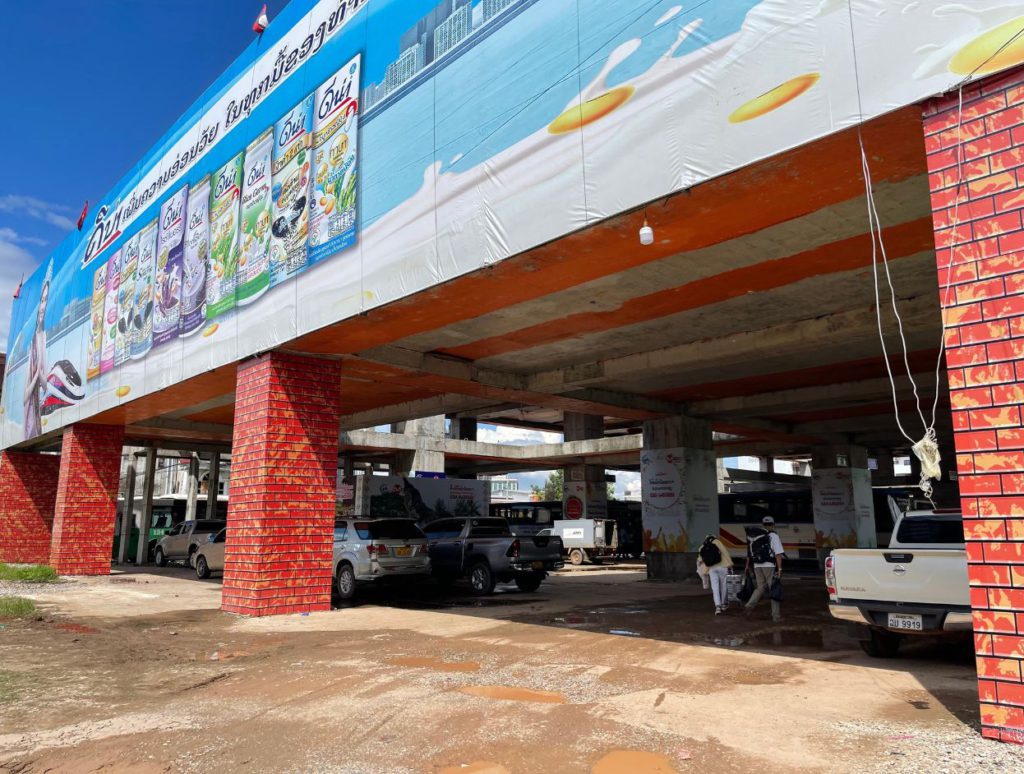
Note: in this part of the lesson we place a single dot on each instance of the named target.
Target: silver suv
(370, 550)
(184, 539)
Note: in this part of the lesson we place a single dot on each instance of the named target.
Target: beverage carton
(170, 253)
(293, 138)
(254, 263)
(197, 253)
(222, 272)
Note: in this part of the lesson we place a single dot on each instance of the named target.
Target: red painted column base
(28, 494)
(284, 465)
(83, 522)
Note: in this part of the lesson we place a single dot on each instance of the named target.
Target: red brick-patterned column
(83, 521)
(982, 292)
(28, 493)
(284, 463)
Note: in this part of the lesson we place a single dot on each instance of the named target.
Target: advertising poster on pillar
(843, 508)
(360, 151)
(679, 498)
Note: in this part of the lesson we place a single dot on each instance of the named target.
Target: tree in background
(553, 488)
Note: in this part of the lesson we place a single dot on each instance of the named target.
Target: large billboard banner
(360, 151)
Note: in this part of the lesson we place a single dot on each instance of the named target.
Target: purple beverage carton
(168, 280)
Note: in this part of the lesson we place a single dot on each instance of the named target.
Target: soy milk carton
(225, 211)
(108, 353)
(254, 263)
(168, 279)
(293, 138)
(96, 307)
(142, 333)
(197, 253)
(126, 321)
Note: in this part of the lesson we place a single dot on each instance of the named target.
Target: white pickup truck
(916, 586)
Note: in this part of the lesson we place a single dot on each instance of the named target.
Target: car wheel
(202, 568)
(346, 581)
(529, 583)
(192, 555)
(576, 557)
(158, 557)
(482, 579)
(882, 644)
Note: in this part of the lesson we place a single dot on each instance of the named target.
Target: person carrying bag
(715, 557)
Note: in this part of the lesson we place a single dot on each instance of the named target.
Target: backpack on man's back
(709, 553)
(760, 546)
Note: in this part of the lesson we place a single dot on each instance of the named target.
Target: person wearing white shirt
(764, 559)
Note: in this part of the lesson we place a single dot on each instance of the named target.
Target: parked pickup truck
(916, 586)
(485, 551)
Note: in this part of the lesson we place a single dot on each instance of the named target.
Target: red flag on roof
(261, 21)
(85, 211)
(17, 290)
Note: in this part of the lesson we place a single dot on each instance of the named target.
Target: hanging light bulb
(646, 234)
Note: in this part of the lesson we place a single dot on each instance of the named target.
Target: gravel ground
(948, 749)
(22, 589)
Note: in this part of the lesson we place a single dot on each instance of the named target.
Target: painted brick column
(28, 494)
(284, 463)
(980, 257)
(83, 520)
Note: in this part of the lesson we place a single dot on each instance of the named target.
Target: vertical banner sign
(169, 265)
(96, 309)
(126, 312)
(335, 125)
(197, 251)
(663, 483)
(142, 333)
(254, 264)
(225, 201)
(293, 138)
(110, 316)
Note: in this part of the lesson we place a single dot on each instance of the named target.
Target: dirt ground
(600, 671)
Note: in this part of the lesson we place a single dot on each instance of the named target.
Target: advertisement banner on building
(441, 144)
(679, 498)
(843, 508)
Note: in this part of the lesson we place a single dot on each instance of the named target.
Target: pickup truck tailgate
(543, 548)
(911, 576)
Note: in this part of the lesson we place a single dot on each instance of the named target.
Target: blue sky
(84, 99)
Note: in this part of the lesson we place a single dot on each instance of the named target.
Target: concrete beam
(416, 409)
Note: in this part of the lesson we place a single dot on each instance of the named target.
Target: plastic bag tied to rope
(927, 451)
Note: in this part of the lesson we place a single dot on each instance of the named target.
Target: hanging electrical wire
(926, 449)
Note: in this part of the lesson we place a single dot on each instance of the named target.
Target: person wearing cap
(764, 559)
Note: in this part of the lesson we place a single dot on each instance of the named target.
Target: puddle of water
(788, 638)
(570, 621)
(507, 693)
(624, 632)
(476, 767)
(633, 762)
(436, 664)
(76, 628)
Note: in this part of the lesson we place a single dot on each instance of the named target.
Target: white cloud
(28, 206)
(625, 479)
(10, 235)
(15, 262)
(514, 436)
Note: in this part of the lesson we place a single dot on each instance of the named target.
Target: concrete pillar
(844, 510)
(464, 428)
(679, 493)
(284, 463)
(407, 463)
(192, 490)
(980, 263)
(584, 492)
(128, 510)
(86, 507)
(213, 487)
(28, 494)
(146, 514)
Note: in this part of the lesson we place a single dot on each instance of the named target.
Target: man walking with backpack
(716, 559)
(764, 559)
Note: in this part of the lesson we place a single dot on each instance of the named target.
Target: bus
(529, 518)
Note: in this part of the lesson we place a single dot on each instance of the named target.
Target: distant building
(404, 68)
(505, 489)
(453, 30)
(493, 7)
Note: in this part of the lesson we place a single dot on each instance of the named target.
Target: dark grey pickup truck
(485, 551)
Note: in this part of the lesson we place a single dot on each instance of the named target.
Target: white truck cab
(916, 586)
